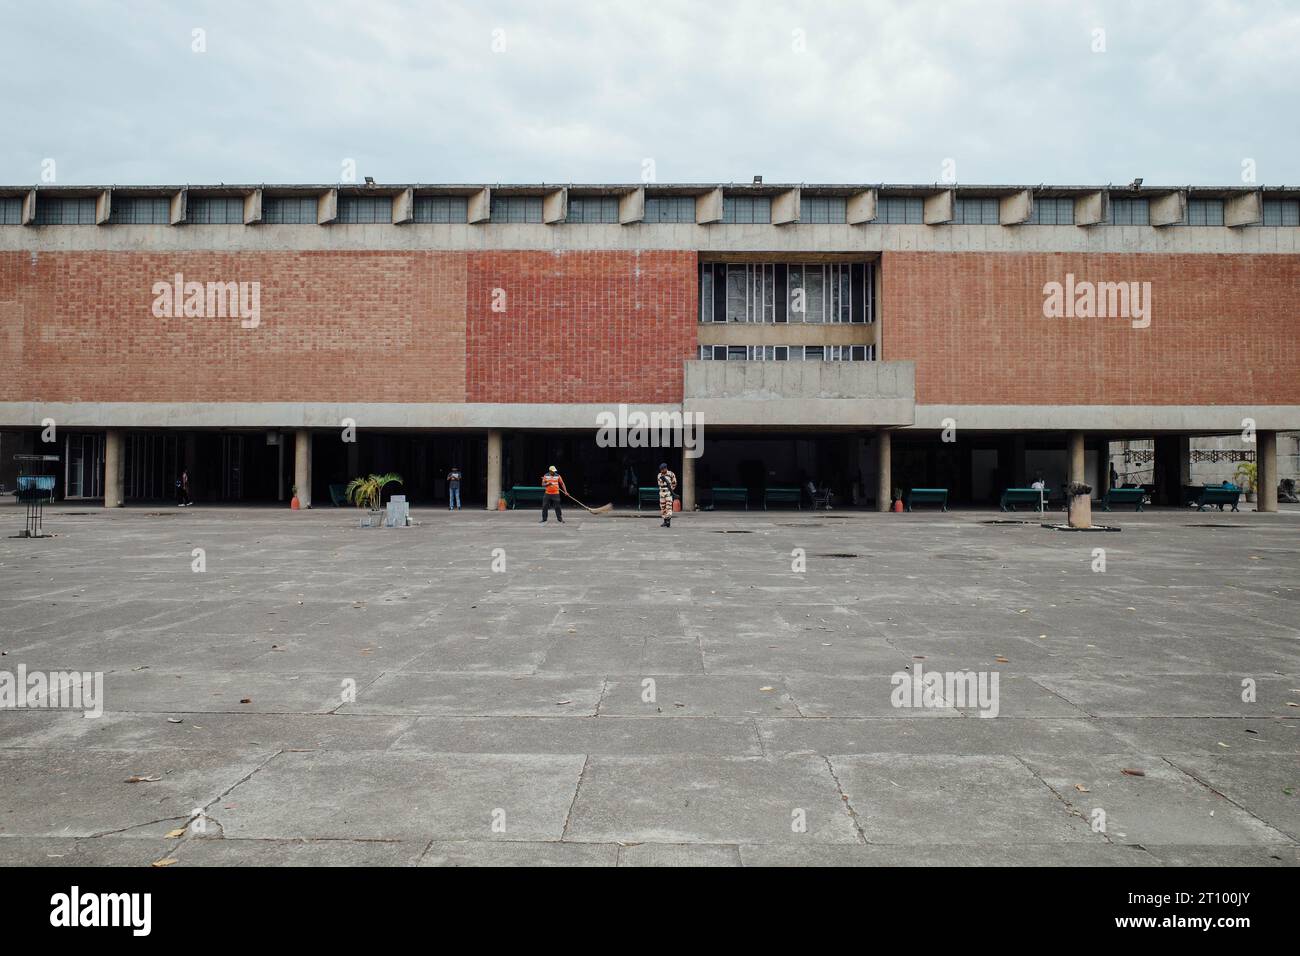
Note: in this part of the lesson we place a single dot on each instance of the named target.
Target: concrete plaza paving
(609, 692)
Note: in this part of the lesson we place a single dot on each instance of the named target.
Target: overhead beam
(785, 207)
(1169, 209)
(1092, 209)
(1246, 209)
(480, 206)
(940, 208)
(253, 207)
(861, 207)
(708, 206)
(404, 206)
(631, 206)
(1016, 208)
(555, 206)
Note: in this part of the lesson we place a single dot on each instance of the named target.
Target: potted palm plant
(368, 492)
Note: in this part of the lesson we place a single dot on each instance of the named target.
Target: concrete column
(1266, 471)
(686, 482)
(493, 468)
(1074, 446)
(884, 470)
(114, 467)
(302, 466)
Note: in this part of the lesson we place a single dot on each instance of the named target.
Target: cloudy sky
(1041, 91)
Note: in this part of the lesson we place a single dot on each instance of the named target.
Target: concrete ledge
(103, 206)
(308, 414)
(1092, 209)
(404, 207)
(327, 207)
(1016, 208)
(555, 206)
(785, 207)
(253, 207)
(1187, 419)
(1169, 209)
(776, 413)
(179, 202)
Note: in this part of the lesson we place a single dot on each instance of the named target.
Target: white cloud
(884, 91)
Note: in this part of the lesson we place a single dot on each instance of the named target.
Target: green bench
(339, 495)
(524, 493)
(647, 496)
(920, 496)
(1218, 495)
(1123, 496)
(783, 495)
(1023, 496)
(740, 495)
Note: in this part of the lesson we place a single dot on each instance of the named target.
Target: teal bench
(1022, 496)
(783, 496)
(1124, 496)
(1218, 495)
(739, 495)
(339, 495)
(647, 496)
(528, 494)
(920, 496)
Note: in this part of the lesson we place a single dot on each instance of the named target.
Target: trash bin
(1080, 505)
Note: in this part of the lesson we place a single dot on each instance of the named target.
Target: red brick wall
(365, 326)
(580, 326)
(1224, 329)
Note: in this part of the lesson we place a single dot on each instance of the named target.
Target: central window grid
(11, 211)
(593, 209)
(65, 212)
(1130, 212)
(441, 209)
(1282, 212)
(215, 210)
(141, 210)
(1052, 212)
(822, 210)
(670, 209)
(516, 209)
(902, 210)
(1205, 212)
(767, 292)
(976, 212)
(787, 353)
(746, 210)
(365, 209)
(289, 210)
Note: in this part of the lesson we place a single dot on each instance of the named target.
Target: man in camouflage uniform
(667, 485)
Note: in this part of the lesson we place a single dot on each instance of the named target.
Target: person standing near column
(667, 485)
(553, 484)
(453, 488)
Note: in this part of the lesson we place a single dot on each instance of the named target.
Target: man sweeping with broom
(667, 485)
(553, 484)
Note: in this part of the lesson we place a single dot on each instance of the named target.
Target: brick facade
(581, 327)
(352, 326)
(1223, 330)
(339, 326)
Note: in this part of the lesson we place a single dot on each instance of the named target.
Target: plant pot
(294, 503)
(677, 504)
(898, 506)
(501, 504)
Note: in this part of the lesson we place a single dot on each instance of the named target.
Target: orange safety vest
(551, 483)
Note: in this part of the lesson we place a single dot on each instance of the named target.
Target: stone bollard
(1080, 505)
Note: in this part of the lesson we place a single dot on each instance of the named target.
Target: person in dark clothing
(183, 499)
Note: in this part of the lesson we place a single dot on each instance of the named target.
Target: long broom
(603, 509)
